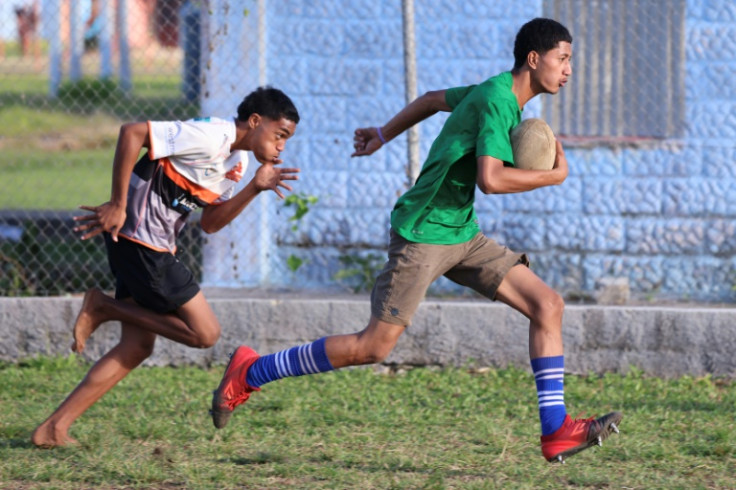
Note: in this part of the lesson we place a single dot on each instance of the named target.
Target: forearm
(495, 178)
(216, 217)
(518, 180)
(415, 112)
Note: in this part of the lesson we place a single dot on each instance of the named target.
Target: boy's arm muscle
(495, 178)
(267, 177)
(367, 140)
(110, 216)
(133, 138)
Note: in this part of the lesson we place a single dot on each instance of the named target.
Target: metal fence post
(52, 28)
(238, 255)
(76, 41)
(410, 80)
(105, 40)
(126, 77)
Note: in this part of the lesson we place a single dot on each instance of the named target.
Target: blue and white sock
(548, 374)
(297, 361)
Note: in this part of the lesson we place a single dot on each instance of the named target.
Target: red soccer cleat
(233, 389)
(577, 435)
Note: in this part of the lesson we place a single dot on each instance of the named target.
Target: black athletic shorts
(155, 280)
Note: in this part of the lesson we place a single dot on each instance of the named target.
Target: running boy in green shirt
(435, 232)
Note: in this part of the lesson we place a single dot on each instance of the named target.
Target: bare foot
(47, 436)
(87, 319)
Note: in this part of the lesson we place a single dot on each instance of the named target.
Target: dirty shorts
(480, 264)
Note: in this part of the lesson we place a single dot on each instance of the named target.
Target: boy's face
(269, 138)
(552, 69)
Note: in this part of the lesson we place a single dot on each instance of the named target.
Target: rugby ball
(533, 144)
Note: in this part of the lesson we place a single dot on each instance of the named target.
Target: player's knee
(549, 307)
(374, 353)
(139, 352)
(208, 338)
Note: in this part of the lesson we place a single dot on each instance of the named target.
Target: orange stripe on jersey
(197, 191)
(147, 245)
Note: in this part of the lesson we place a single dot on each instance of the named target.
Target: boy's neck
(241, 131)
(522, 85)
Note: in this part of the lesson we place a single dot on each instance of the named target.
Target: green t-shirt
(439, 208)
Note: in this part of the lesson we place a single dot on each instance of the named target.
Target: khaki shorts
(480, 264)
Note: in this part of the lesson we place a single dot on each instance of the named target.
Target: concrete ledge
(661, 341)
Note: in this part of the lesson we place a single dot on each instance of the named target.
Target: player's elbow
(434, 101)
(209, 226)
(487, 186)
(210, 229)
(209, 221)
(484, 187)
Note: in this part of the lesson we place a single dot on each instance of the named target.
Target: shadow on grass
(17, 443)
(260, 458)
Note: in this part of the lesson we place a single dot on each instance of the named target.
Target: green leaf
(294, 262)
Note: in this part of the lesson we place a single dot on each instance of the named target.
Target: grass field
(53, 160)
(56, 181)
(425, 428)
(57, 153)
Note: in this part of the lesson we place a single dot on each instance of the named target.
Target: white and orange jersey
(189, 165)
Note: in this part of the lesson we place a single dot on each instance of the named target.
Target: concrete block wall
(660, 215)
(660, 341)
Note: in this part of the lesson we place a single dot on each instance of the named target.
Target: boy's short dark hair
(538, 35)
(268, 102)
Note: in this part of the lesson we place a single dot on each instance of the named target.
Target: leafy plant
(359, 271)
(294, 262)
(301, 202)
(90, 91)
(13, 277)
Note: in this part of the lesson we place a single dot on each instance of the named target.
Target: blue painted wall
(662, 215)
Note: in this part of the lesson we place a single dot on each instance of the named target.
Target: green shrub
(90, 93)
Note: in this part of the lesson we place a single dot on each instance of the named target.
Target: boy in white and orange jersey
(189, 165)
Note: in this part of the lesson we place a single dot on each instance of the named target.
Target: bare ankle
(91, 316)
(48, 434)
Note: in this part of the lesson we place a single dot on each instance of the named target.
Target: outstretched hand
(366, 142)
(271, 177)
(106, 217)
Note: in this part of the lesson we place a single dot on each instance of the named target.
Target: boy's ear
(532, 59)
(254, 120)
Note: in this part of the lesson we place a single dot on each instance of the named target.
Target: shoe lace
(238, 399)
(580, 420)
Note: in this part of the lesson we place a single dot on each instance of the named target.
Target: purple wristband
(380, 135)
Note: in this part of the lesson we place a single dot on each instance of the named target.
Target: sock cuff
(547, 363)
(320, 355)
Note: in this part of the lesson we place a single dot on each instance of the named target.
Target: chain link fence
(72, 71)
